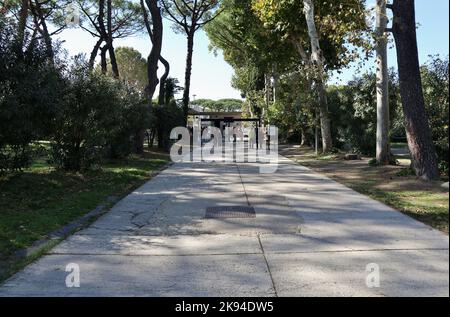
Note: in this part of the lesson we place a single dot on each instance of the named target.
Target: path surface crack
(268, 267)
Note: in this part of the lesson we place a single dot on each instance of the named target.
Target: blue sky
(432, 35)
(211, 75)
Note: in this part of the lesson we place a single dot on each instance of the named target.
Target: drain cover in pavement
(230, 212)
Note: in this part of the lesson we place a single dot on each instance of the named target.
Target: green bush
(435, 79)
(133, 115)
(353, 111)
(167, 117)
(30, 88)
(96, 119)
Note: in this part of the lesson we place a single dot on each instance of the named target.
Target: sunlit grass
(42, 199)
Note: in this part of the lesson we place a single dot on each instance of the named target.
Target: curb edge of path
(75, 225)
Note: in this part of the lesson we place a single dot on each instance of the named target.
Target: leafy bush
(166, 118)
(30, 87)
(435, 79)
(96, 119)
(133, 115)
(353, 111)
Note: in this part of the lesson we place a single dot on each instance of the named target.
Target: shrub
(167, 117)
(133, 116)
(353, 111)
(97, 119)
(29, 92)
(435, 79)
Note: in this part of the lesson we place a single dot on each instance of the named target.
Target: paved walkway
(311, 237)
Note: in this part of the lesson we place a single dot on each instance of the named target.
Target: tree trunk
(276, 80)
(187, 77)
(162, 81)
(325, 122)
(112, 53)
(113, 60)
(155, 53)
(94, 53)
(383, 146)
(423, 152)
(318, 61)
(23, 16)
(103, 62)
(139, 139)
(40, 26)
(161, 127)
(304, 138)
(104, 35)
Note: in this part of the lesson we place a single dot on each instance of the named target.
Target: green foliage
(353, 110)
(30, 88)
(96, 119)
(167, 117)
(220, 105)
(189, 13)
(127, 19)
(293, 112)
(435, 79)
(132, 67)
(341, 25)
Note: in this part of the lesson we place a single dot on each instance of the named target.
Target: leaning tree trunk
(41, 26)
(162, 81)
(94, 53)
(383, 146)
(318, 61)
(187, 76)
(423, 152)
(162, 133)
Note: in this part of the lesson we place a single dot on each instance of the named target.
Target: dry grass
(393, 185)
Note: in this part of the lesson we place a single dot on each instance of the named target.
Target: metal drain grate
(224, 212)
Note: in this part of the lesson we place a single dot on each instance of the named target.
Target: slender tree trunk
(304, 137)
(43, 29)
(161, 130)
(383, 146)
(113, 60)
(103, 61)
(276, 80)
(139, 139)
(112, 53)
(104, 35)
(318, 61)
(423, 152)
(162, 81)
(325, 122)
(23, 16)
(187, 77)
(156, 35)
(94, 53)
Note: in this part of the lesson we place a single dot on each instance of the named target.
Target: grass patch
(399, 145)
(396, 186)
(425, 206)
(42, 199)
